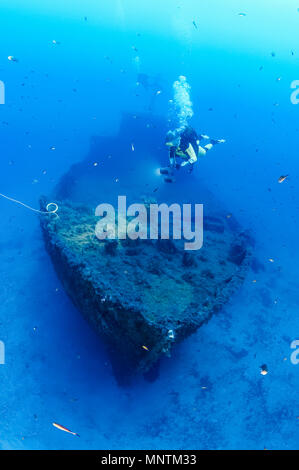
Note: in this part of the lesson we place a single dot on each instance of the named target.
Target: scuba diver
(184, 149)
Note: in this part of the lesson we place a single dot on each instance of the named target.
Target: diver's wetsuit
(185, 144)
(188, 148)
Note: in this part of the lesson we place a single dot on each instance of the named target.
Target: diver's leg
(172, 163)
(169, 179)
(172, 157)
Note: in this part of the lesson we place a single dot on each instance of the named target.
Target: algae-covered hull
(140, 296)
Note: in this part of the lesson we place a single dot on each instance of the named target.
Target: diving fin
(169, 179)
(166, 171)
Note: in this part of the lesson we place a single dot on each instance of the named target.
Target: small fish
(52, 148)
(55, 42)
(145, 347)
(12, 58)
(195, 25)
(242, 14)
(271, 260)
(155, 190)
(133, 148)
(282, 178)
(62, 428)
(264, 369)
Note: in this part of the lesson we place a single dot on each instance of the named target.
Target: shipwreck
(141, 296)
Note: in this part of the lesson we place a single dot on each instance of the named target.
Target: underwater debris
(282, 178)
(170, 334)
(264, 369)
(62, 428)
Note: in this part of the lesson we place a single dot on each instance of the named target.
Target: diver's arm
(213, 142)
(192, 156)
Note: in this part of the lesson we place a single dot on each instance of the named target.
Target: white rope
(47, 211)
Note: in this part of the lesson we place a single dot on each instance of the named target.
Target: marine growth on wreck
(142, 296)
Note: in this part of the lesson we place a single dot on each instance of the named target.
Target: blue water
(210, 394)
